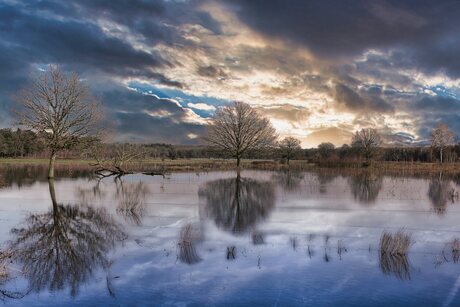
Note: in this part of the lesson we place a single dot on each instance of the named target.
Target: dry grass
(4, 259)
(395, 244)
(393, 254)
(205, 165)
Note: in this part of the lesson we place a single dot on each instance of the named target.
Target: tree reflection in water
(62, 247)
(365, 187)
(288, 180)
(5, 277)
(2, 182)
(237, 204)
(131, 198)
(439, 192)
(324, 179)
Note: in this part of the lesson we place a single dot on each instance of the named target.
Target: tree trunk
(51, 165)
(52, 193)
(440, 151)
(238, 160)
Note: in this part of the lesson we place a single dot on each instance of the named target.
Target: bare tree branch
(238, 129)
(60, 107)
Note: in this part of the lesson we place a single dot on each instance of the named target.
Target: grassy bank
(196, 165)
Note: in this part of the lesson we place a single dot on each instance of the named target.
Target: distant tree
(172, 153)
(326, 150)
(441, 137)
(60, 107)
(344, 151)
(238, 129)
(289, 147)
(367, 141)
(3, 146)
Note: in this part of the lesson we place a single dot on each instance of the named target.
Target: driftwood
(113, 162)
(155, 173)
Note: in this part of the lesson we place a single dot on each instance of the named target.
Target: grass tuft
(395, 244)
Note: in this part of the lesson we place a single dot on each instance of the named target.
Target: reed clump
(395, 244)
(393, 254)
(4, 259)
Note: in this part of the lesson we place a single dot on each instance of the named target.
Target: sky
(319, 70)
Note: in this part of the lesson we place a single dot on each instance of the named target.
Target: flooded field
(222, 238)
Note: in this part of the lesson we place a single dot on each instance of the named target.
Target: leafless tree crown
(289, 147)
(441, 137)
(367, 140)
(238, 129)
(59, 106)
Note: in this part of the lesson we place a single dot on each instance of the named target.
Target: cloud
(364, 101)
(201, 106)
(212, 72)
(317, 69)
(139, 117)
(336, 135)
(285, 112)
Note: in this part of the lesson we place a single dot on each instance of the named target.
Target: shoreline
(206, 165)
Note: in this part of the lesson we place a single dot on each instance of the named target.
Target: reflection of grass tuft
(455, 245)
(395, 244)
(187, 251)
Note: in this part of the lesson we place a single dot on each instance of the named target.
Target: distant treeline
(20, 143)
(26, 143)
(346, 153)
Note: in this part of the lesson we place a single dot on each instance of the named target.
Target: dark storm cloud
(154, 20)
(158, 130)
(68, 33)
(438, 104)
(70, 42)
(431, 110)
(429, 122)
(426, 31)
(362, 101)
(146, 118)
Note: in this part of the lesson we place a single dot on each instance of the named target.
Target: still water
(223, 239)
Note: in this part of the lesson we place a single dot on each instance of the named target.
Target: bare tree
(289, 147)
(326, 150)
(238, 129)
(59, 106)
(441, 137)
(367, 141)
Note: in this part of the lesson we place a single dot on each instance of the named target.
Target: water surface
(222, 238)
